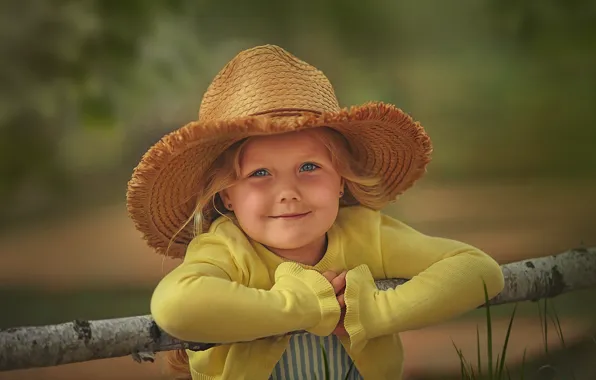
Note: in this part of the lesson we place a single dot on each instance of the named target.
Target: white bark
(27, 347)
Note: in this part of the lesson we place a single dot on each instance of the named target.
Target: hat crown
(266, 79)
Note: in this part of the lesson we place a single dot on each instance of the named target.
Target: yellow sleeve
(204, 300)
(446, 280)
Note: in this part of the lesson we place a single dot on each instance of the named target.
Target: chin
(289, 242)
(284, 245)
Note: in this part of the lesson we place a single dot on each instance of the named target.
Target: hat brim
(161, 194)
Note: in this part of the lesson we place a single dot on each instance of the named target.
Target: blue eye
(260, 173)
(308, 167)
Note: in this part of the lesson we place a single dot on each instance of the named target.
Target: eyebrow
(308, 156)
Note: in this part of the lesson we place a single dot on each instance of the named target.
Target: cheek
(323, 193)
(247, 200)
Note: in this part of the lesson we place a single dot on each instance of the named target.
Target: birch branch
(78, 341)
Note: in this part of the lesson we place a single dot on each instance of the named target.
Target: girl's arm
(204, 300)
(446, 280)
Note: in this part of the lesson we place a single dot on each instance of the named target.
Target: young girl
(272, 199)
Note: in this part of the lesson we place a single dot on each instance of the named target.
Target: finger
(340, 278)
(339, 282)
(341, 301)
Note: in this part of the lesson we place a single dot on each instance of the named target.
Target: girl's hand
(338, 281)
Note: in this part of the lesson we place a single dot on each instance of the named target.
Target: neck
(309, 254)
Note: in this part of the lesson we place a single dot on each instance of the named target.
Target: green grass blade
(523, 366)
(545, 326)
(478, 352)
(462, 366)
(463, 370)
(557, 323)
(326, 362)
(489, 333)
(507, 335)
(462, 361)
(541, 321)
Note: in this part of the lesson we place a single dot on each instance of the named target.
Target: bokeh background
(506, 89)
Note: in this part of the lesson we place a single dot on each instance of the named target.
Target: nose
(288, 192)
(288, 197)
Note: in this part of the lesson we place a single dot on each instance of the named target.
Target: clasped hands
(338, 281)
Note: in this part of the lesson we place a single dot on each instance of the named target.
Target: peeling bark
(78, 341)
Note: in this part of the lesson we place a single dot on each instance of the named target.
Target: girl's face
(288, 194)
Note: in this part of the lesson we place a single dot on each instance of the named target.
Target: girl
(272, 200)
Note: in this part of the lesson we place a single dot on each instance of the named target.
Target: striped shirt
(303, 359)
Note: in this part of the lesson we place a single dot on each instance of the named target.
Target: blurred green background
(506, 90)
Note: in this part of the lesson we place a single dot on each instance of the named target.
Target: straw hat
(265, 90)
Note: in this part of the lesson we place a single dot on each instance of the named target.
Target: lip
(291, 216)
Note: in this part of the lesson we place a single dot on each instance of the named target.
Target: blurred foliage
(505, 88)
(30, 307)
(64, 61)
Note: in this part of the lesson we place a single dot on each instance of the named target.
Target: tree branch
(78, 341)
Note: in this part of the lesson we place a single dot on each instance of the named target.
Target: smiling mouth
(291, 216)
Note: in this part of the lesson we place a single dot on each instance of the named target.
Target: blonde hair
(225, 171)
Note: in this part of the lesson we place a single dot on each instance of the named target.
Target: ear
(225, 198)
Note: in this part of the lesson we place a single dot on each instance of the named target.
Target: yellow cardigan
(232, 289)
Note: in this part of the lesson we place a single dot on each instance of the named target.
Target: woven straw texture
(265, 90)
